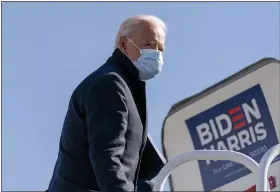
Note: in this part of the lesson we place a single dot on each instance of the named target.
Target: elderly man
(104, 144)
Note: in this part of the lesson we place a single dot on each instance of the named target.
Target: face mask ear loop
(134, 45)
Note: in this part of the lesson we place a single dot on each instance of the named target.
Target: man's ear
(123, 43)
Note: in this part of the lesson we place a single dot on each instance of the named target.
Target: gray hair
(128, 26)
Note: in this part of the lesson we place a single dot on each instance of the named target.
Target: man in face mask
(104, 144)
(144, 46)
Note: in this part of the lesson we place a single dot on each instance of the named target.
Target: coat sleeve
(106, 115)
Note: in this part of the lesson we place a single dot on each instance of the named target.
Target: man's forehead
(151, 33)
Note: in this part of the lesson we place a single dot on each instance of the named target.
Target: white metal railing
(202, 155)
(264, 164)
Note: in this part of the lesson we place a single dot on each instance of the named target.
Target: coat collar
(126, 64)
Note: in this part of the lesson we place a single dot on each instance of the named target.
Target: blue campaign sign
(242, 123)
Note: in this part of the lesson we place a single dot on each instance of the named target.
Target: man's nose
(156, 47)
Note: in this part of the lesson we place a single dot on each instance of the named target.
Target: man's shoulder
(108, 74)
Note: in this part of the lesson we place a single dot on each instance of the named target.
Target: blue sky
(48, 48)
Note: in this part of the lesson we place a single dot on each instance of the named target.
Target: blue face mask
(149, 64)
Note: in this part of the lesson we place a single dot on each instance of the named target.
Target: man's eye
(147, 45)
